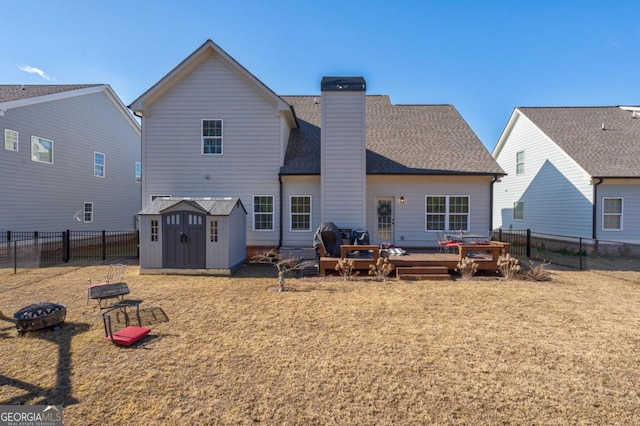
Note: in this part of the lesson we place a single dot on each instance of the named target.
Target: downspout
(496, 178)
(281, 212)
(595, 209)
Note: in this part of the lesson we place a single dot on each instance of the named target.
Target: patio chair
(114, 275)
(126, 336)
(444, 244)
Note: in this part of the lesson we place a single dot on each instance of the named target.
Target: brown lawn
(227, 351)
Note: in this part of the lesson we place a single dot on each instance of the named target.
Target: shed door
(184, 240)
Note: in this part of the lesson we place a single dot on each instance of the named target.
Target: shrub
(381, 269)
(345, 268)
(509, 266)
(538, 273)
(467, 268)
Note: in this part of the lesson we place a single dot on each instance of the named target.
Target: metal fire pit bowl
(39, 315)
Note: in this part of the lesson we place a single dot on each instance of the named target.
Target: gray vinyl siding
(343, 158)
(630, 194)
(556, 192)
(252, 142)
(45, 197)
(410, 220)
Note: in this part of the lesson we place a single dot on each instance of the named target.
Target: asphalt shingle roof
(400, 139)
(212, 206)
(14, 92)
(612, 152)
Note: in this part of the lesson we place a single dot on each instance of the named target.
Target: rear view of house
(571, 171)
(70, 159)
(402, 173)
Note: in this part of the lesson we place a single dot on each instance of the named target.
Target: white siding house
(70, 159)
(563, 165)
(212, 129)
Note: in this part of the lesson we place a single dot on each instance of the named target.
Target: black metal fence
(36, 249)
(621, 259)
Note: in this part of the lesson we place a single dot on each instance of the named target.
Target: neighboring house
(571, 171)
(401, 172)
(70, 159)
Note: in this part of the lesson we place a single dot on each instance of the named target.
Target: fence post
(137, 243)
(15, 257)
(528, 243)
(104, 244)
(580, 252)
(8, 236)
(66, 246)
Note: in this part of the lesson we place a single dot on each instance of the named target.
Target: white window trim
(104, 165)
(221, 137)
(621, 214)
(84, 212)
(36, 139)
(6, 137)
(514, 210)
(253, 212)
(310, 213)
(447, 213)
(517, 163)
(136, 172)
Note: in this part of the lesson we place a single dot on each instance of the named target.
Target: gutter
(496, 178)
(595, 208)
(281, 213)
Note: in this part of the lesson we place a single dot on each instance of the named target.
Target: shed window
(518, 210)
(612, 214)
(263, 213)
(41, 150)
(447, 213)
(10, 140)
(212, 137)
(301, 213)
(154, 229)
(98, 164)
(88, 212)
(520, 163)
(214, 231)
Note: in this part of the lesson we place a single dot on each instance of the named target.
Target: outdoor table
(457, 236)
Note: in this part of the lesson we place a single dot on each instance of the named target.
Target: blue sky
(484, 57)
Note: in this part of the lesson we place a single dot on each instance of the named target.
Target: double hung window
(446, 213)
(301, 213)
(212, 137)
(263, 213)
(41, 150)
(612, 214)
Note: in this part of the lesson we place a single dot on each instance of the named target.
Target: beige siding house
(400, 172)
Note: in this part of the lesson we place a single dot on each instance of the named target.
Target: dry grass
(226, 351)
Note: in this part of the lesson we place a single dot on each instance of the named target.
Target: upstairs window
(10, 140)
(520, 163)
(263, 213)
(612, 214)
(41, 150)
(212, 137)
(98, 164)
(138, 172)
(301, 213)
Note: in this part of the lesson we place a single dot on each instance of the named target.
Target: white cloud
(34, 70)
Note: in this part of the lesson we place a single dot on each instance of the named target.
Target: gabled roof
(19, 95)
(12, 92)
(604, 141)
(191, 62)
(400, 139)
(208, 205)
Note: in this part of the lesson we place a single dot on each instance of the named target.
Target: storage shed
(192, 236)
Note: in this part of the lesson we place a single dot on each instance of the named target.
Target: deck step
(421, 270)
(425, 277)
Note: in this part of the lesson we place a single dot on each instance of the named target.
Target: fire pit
(39, 315)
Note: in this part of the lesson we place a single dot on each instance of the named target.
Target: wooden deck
(485, 255)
